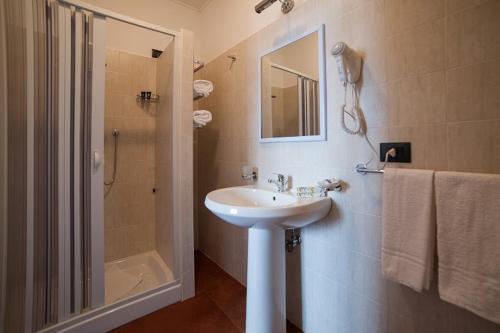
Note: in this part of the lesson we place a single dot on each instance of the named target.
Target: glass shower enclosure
(95, 231)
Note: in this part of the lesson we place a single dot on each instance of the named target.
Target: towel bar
(200, 65)
(362, 169)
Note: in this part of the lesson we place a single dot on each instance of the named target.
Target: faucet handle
(281, 177)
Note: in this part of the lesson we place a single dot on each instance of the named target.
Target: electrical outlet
(403, 151)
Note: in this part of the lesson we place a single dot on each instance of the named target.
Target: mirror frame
(322, 91)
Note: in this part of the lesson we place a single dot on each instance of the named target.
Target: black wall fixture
(403, 151)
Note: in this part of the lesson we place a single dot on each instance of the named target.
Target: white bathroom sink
(266, 214)
(249, 207)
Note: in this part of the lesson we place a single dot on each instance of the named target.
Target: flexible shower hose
(116, 133)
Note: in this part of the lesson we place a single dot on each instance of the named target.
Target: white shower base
(135, 274)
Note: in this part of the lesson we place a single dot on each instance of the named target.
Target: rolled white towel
(203, 87)
(202, 117)
(198, 123)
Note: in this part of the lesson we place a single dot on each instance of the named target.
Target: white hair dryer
(349, 66)
(348, 63)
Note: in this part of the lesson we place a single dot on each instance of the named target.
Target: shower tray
(135, 274)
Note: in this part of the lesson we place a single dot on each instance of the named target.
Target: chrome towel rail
(199, 65)
(363, 169)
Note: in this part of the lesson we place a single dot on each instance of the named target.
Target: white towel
(203, 87)
(468, 237)
(408, 218)
(202, 117)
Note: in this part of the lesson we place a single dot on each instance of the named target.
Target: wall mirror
(293, 90)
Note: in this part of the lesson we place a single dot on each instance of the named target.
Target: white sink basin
(248, 207)
(266, 214)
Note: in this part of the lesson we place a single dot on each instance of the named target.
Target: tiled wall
(431, 76)
(129, 204)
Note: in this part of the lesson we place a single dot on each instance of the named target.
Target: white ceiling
(195, 4)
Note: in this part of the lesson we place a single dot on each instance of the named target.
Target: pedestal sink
(266, 214)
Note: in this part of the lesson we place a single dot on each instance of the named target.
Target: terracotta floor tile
(198, 314)
(209, 276)
(219, 306)
(232, 301)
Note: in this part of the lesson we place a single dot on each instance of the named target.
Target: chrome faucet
(281, 182)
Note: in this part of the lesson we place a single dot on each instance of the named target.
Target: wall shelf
(154, 99)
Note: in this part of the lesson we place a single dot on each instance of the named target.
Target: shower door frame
(106, 317)
(3, 168)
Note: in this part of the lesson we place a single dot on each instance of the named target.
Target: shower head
(286, 5)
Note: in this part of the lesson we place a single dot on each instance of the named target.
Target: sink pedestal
(266, 281)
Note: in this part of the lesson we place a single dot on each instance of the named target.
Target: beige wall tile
(118, 82)
(405, 14)
(380, 104)
(473, 92)
(126, 62)
(349, 5)
(422, 100)
(114, 104)
(474, 146)
(429, 146)
(416, 51)
(472, 35)
(364, 28)
(112, 60)
(464, 96)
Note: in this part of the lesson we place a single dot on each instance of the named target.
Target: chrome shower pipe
(286, 5)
